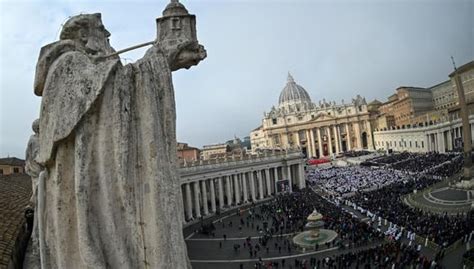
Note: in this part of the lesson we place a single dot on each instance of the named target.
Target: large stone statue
(112, 197)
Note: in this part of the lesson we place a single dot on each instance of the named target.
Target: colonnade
(445, 139)
(237, 187)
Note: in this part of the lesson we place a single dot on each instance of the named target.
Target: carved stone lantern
(176, 26)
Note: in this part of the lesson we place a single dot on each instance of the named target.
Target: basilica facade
(320, 130)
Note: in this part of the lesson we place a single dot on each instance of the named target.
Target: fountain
(313, 234)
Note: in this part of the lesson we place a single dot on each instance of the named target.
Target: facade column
(236, 189)
(348, 138)
(329, 140)
(313, 147)
(189, 202)
(204, 198)
(244, 186)
(308, 144)
(260, 185)
(357, 133)
(267, 179)
(370, 136)
(320, 143)
(336, 138)
(227, 187)
(221, 192)
(197, 207)
(252, 186)
(289, 177)
(213, 195)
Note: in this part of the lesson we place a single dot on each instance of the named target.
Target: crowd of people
(387, 203)
(422, 162)
(390, 159)
(356, 153)
(278, 220)
(343, 180)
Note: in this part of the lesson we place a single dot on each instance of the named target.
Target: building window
(16, 170)
(1, 171)
(274, 121)
(300, 118)
(422, 144)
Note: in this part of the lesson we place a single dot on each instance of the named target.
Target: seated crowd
(342, 180)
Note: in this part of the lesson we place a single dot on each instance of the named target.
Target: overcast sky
(334, 49)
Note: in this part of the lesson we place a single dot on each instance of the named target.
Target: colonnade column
(320, 143)
(348, 137)
(302, 181)
(267, 180)
(427, 142)
(221, 192)
(290, 180)
(213, 196)
(252, 186)
(236, 189)
(275, 178)
(189, 203)
(244, 186)
(336, 138)
(204, 198)
(227, 187)
(260, 184)
(450, 140)
(197, 208)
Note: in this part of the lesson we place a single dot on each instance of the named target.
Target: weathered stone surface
(112, 197)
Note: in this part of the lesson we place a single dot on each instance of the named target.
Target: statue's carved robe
(107, 139)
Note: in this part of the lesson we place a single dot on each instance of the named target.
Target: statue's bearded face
(97, 40)
(89, 31)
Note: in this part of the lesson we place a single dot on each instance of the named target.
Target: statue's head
(89, 32)
(35, 126)
(176, 34)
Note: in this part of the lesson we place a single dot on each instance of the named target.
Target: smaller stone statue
(33, 169)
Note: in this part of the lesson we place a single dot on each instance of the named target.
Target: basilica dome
(293, 93)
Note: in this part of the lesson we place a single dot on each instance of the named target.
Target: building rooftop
(15, 193)
(12, 161)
